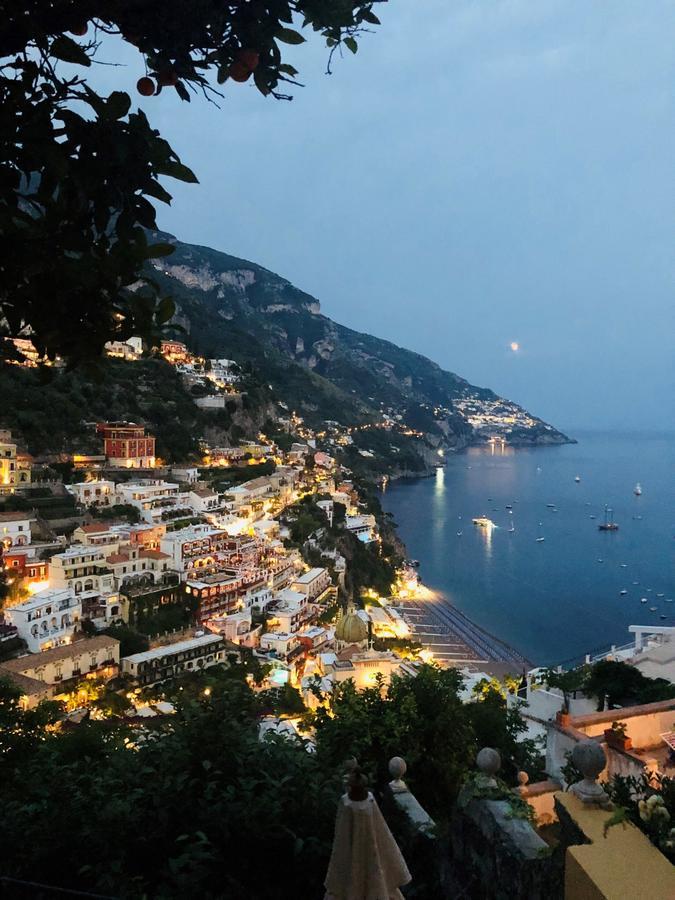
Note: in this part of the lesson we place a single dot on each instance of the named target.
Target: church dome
(350, 627)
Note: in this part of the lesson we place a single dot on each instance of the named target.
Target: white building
(81, 568)
(193, 655)
(186, 474)
(152, 497)
(364, 527)
(203, 498)
(194, 548)
(15, 529)
(280, 643)
(312, 583)
(93, 493)
(47, 619)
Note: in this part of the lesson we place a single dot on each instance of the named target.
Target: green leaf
(368, 16)
(288, 36)
(154, 189)
(288, 70)
(154, 250)
(182, 91)
(177, 170)
(351, 43)
(117, 105)
(163, 313)
(69, 51)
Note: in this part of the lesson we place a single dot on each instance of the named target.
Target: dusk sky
(481, 172)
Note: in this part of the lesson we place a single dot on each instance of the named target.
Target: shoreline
(452, 637)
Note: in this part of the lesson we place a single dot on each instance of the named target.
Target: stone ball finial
(489, 761)
(589, 757)
(523, 779)
(397, 769)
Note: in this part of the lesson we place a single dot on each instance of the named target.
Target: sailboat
(609, 524)
(512, 527)
(637, 490)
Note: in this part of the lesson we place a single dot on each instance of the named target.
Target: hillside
(323, 370)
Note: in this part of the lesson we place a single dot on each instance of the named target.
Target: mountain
(229, 307)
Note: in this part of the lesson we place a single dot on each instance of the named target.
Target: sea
(558, 599)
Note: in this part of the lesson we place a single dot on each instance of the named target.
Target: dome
(350, 627)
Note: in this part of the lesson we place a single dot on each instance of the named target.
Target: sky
(481, 172)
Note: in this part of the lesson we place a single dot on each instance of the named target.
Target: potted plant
(616, 736)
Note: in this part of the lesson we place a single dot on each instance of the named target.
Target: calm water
(552, 600)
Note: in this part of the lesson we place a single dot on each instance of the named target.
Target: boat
(660, 595)
(600, 560)
(592, 517)
(643, 599)
(609, 524)
(637, 490)
(623, 592)
(623, 565)
(512, 528)
(508, 506)
(663, 617)
(577, 478)
(636, 582)
(483, 522)
(668, 600)
(540, 539)
(551, 505)
(460, 533)
(652, 609)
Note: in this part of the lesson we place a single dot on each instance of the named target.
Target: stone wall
(503, 857)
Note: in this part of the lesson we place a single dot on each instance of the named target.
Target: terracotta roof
(202, 490)
(16, 516)
(33, 660)
(153, 554)
(117, 558)
(25, 684)
(94, 529)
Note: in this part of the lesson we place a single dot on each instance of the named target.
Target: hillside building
(126, 445)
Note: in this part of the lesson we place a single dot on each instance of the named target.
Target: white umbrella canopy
(365, 863)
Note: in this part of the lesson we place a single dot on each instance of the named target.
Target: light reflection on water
(551, 600)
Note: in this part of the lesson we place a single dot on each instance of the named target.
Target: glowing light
(36, 586)
(515, 346)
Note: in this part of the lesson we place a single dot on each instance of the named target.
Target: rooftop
(308, 577)
(180, 647)
(18, 516)
(33, 660)
(49, 595)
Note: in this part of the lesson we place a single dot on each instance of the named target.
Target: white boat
(637, 490)
(669, 600)
(512, 528)
(624, 565)
(660, 595)
(577, 478)
(483, 522)
(623, 592)
(643, 599)
(540, 539)
(652, 609)
(460, 533)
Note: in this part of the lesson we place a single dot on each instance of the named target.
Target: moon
(515, 346)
